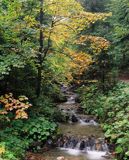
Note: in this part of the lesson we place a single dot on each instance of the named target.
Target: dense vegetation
(112, 109)
(44, 44)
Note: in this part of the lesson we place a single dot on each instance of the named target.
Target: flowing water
(82, 137)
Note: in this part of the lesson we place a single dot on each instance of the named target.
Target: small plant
(12, 148)
(39, 129)
(9, 104)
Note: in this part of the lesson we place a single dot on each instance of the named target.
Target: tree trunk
(40, 54)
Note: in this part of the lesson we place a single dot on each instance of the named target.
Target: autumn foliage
(97, 44)
(80, 61)
(18, 106)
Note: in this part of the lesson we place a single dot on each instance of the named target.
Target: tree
(98, 48)
(57, 22)
(120, 24)
(69, 15)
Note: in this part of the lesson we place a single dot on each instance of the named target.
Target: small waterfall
(70, 100)
(68, 109)
(74, 117)
(84, 144)
(88, 122)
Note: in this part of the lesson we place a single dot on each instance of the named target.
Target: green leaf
(127, 153)
(119, 149)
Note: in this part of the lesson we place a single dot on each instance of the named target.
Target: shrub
(11, 105)
(92, 100)
(44, 106)
(14, 146)
(38, 131)
(113, 110)
(11, 137)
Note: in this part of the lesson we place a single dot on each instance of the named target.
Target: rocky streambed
(81, 137)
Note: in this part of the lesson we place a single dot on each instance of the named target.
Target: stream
(82, 137)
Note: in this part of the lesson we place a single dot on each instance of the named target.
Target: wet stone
(82, 145)
(74, 118)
